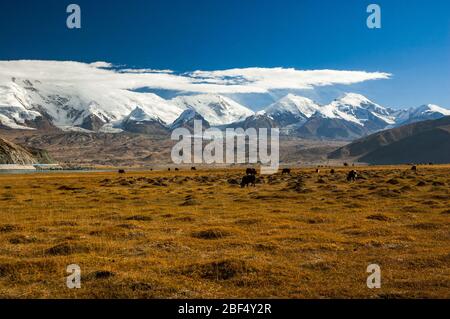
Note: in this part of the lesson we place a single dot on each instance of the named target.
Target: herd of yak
(250, 176)
(249, 179)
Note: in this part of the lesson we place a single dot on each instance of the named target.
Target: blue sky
(413, 43)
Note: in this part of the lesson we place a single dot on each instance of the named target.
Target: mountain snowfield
(67, 105)
(421, 113)
(291, 109)
(357, 108)
(30, 103)
(350, 109)
(214, 108)
(15, 107)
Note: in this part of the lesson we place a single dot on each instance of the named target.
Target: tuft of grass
(216, 233)
(65, 249)
(218, 270)
(379, 217)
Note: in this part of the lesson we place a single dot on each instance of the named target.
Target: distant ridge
(420, 142)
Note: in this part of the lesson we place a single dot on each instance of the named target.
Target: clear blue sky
(186, 35)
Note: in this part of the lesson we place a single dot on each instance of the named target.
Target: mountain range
(32, 104)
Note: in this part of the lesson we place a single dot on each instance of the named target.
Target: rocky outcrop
(11, 153)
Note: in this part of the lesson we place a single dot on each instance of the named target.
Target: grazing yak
(414, 168)
(352, 176)
(193, 168)
(286, 171)
(332, 171)
(176, 169)
(250, 171)
(121, 171)
(248, 180)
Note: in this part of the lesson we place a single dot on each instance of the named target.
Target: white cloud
(144, 71)
(246, 80)
(101, 64)
(281, 78)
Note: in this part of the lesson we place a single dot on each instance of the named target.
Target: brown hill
(421, 142)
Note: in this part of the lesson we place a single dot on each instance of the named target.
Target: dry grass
(199, 235)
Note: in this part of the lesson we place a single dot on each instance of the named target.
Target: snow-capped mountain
(420, 113)
(357, 108)
(351, 116)
(215, 109)
(67, 106)
(48, 103)
(140, 115)
(139, 121)
(291, 109)
(16, 106)
(187, 119)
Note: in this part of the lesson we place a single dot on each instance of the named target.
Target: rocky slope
(11, 153)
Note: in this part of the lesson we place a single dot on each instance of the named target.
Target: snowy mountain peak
(187, 119)
(291, 109)
(420, 113)
(330, 111)
(214, 108)
(431, 108)
(361, 110)
(15, 106)
(139, 115)
(140, 121)
(294, 104)
(354, 99)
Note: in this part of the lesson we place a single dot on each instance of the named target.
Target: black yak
(352, 176)
(286, 171)
(248, 180)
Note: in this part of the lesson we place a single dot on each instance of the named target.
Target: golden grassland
(196, 234)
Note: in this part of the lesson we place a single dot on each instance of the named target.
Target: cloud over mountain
(246, 80)
(267, 79)
(103, 97)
